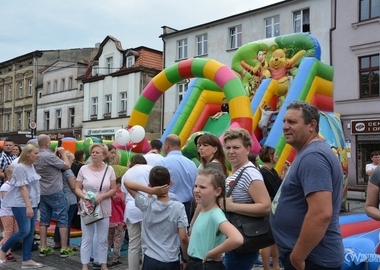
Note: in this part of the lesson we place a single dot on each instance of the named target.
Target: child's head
(8, 172)
(224, 100)
(159, 176)
(267, 108)
(118, 182)
(212, 177)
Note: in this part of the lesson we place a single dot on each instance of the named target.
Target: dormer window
(130, 61)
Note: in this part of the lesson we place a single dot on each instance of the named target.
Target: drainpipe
(163, 95)
(332, 29)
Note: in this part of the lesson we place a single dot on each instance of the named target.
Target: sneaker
(67, 252)
(46, 251)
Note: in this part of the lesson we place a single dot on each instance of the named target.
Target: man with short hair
(154, 155)
(305, 211)
(182, 170)
(375, 158)
(6, 158)
(49, 166)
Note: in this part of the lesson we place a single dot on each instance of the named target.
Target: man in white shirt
(375, 157)
(154, 155)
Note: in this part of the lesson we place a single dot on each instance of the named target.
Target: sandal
(10, 257)
(3, 262)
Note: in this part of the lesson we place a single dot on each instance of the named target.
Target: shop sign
(365, 126)
(101, 131)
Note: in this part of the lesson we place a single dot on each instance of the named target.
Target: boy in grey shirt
(163, 221)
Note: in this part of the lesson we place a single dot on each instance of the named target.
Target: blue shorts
(54, 203)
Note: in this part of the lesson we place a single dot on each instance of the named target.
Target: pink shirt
(91, 181)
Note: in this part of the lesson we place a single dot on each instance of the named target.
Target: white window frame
(58, 119)
(272, 26)
(20, 89)
(108, 104)
(30, 87)
(130, 61)
(236, 35)
(71, 117)
(70, 86)
(1, 95)
(109, 61)
(9, 93)
(123, 101)
(181, 90)
(94, 106)
(28, 117)
(182, 49)
(7, 123)
(19, 121)
(46, 120)
(55, 86)
(202, 43)
(299, 20)
(63, 84)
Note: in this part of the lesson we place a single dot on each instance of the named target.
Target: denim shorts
(54, 203)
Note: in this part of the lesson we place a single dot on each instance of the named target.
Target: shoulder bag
(256, 231)
(97, 214)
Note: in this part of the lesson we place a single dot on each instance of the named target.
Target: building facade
(220, 39)
(60, 100)
(112, 85)
(20, 78)
(355, 57)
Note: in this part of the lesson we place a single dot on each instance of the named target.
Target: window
(55, 87)
(182, 87)
(9, 94)
(63, 82)
(94, 110)
(202, 44)
(7, 126)
(272, 27)
(235, 37)
(301, 21)
(130, 61)
(1, 95)
(47, 120)
(123, 102)
(30, 84)
(109, 64)
(19, 121)
(108, 104)
(70, 86)
(369, 9)
(20, 89)
(369, 76)
(58, 119)
(28, 117)
(182, 49)
(95, 70)
(71, 117)
(48, 88)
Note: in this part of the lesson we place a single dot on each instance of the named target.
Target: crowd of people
(175, 213)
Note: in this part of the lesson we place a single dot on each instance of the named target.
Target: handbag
(256, 231)
(97, 213)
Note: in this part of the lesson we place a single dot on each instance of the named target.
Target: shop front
(106, 133)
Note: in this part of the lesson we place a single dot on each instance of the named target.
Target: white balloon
(122, 136)
(137, 133)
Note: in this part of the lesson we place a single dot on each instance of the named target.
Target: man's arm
(372, 202)
(314, 227)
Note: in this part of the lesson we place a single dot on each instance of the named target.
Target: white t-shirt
(5, 211)
(152, 158)
(139, 174)
(370, 167)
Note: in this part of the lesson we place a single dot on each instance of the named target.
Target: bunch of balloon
(129, 138)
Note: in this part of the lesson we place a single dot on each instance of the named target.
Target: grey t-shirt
(315, 168)
(71, 198)
(49, 166)
(159, 232)
(375, 177)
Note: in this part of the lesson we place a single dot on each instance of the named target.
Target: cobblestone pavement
(54, 262)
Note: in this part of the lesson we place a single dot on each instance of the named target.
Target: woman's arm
(260, 196)
(25, 195)
(72, 183)
(79, 190)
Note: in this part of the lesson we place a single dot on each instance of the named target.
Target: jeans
(26, 228)
(245, 261)
(54, 203)
(153, 264)
(70, 215)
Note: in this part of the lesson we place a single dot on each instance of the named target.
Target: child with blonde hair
(6, 214)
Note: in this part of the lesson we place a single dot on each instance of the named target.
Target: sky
(29, 25)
